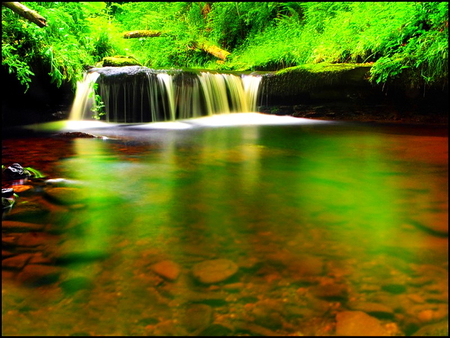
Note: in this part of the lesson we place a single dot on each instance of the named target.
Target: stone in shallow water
(437, 329)
(36, 275)
(197, 316)
(66, 195)
(166, 269)
(16, 262)
(214, 271)
(358, 323)
(13, 226)
(30, 211)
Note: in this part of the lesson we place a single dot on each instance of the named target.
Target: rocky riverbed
(63, 275)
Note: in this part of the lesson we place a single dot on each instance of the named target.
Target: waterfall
(139, 94)
(84, 97)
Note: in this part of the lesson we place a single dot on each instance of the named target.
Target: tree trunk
(141, 34)
(26, 13)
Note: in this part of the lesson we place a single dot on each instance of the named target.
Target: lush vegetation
(403, 40)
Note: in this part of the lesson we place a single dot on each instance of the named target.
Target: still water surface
(320, 218)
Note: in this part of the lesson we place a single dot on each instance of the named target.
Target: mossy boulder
(120, 61)
(298, 84)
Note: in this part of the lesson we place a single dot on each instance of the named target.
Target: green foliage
(64, 47)
(99, 106)
(404, 40)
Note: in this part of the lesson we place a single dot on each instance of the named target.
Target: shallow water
(320, 218)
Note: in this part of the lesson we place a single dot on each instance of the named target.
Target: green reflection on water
(274, 195)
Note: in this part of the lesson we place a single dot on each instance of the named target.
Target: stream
(236, 224)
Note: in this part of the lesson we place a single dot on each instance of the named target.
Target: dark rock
(197, 316)
(330, 291)
(29, 211)
(37, 275)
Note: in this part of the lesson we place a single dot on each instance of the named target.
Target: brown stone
(436, 329)
(36, 274)
(166, 269)
(13, 226)
(358, 323)
(16, 262)
(214, 271)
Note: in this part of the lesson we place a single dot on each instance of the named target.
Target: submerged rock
(166, 269)
(214, 271)
(358, 323)
(66, 195)
(437, 329)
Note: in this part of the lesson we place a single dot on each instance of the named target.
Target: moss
(323, 67)
(120, 61)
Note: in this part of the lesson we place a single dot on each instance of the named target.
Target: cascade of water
(251, 88)
(84, 97)
(139, 94)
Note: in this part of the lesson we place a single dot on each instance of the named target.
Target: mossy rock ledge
(120, 61)
(315, 82)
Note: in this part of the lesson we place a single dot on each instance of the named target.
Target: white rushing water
(155, 97)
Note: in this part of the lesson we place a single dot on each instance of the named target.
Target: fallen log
(204, 46)
(26, 13)
(214, 50)
(141, 34)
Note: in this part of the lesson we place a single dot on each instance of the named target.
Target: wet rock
(437, 329)
(268, 313)
(14, 226)
(197, 316)
(331, 291)
(214, 271)
(8, 241)
(167, 269)
(66, 195)
(30, 211)
(6, 254)
(374, 309)
(358, 323)
(34, 239)
(16, 262)
(37, 275)
(305, 265)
